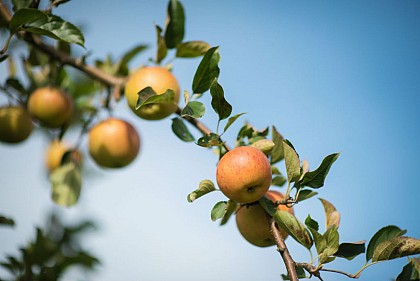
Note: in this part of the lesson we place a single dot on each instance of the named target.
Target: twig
(316, 271)
(284, 252)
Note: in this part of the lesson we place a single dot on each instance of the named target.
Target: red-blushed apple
(244, 174)
(253, 222)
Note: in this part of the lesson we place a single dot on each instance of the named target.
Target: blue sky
(332, 76)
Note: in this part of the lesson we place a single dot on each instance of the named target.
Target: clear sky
(332, 76)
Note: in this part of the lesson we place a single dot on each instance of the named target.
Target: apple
(15, 124)
(253, 221)
(244, 174)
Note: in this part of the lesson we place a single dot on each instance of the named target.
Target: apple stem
(284, 252)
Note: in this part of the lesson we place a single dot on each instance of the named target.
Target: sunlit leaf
(181, 130)
(264, 145)
(384, 234)
(231, 120)
(331, 214)
(148, 96)
(174, 32)
(194, 109)
(315, 179)
(66, 183)
(207, 71)
(396, 247)
(331, 237)
(350, 250)
(278, 153)
(293, 227)
(40, 23)
(292, 161)
(192, 49)
(219, 210)
(205, 186)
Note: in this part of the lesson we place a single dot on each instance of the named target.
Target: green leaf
(19, 4)
(3, 57)
(209, 140)
(293, 227)
(411, 271)
(269, 206)
(181, 131)
(66, 183)
(264, 145)
(205, 186)
(230, 209)
(194, 109)
(40, 23)
(306, 194)
(175, 24)
(315, 179)
(121, 66)
(192, 49)
(278, 153)
(218, 101)
(332, 239)
(231, 120)
(219, 210)
(162, 50)
(148, 96)
(320, 241)
(350, 250)
(292, 161)
(6, 221)
(384, 234)
(300, 274)
(278, 181)
(311, 223)
(331, 214)
(15, 84)
(397, 247)
(207, 71)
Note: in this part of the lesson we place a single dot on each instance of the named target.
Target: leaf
(300, 274)
(192, 49)
(218, 101)
(162, 50)
(269, 206)
(292, 161)
(121, 66)
(278, 181)
(174, 32)
(332, 239)
(350, 250)
(306, 194)
(264, 145)
(311, 223)
(315, 179)
(209, 140)
(331, 214)
(411, 271)
(148, 96)
(15, 84)
(180, 130)
(6, 221)
(19, 4)
(219, 210)
(66, 183)
(231, 120)
(397, 247)
(205, 186)
(277, 154)
(230, 209)
(3, 57)
(207, 71)
(384, 234)
(40, 23)
(194, 109)
(293, 227)
(320, 241)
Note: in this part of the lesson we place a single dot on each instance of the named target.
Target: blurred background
(332, 76)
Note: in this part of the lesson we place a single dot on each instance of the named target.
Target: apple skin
(244, 174)
(160, 80)
(113, 143)
(15, 124)
(55, 152)
(51, 106)
(253, 222)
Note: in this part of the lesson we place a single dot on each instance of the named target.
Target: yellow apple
(55, 153)
(244, 174)
(15, 124)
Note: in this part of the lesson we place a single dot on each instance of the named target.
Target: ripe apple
(244, 174)
(253, 222)
(113, 143)
(160, 80)
(51, 106)
(55, 153)
(15, 124)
